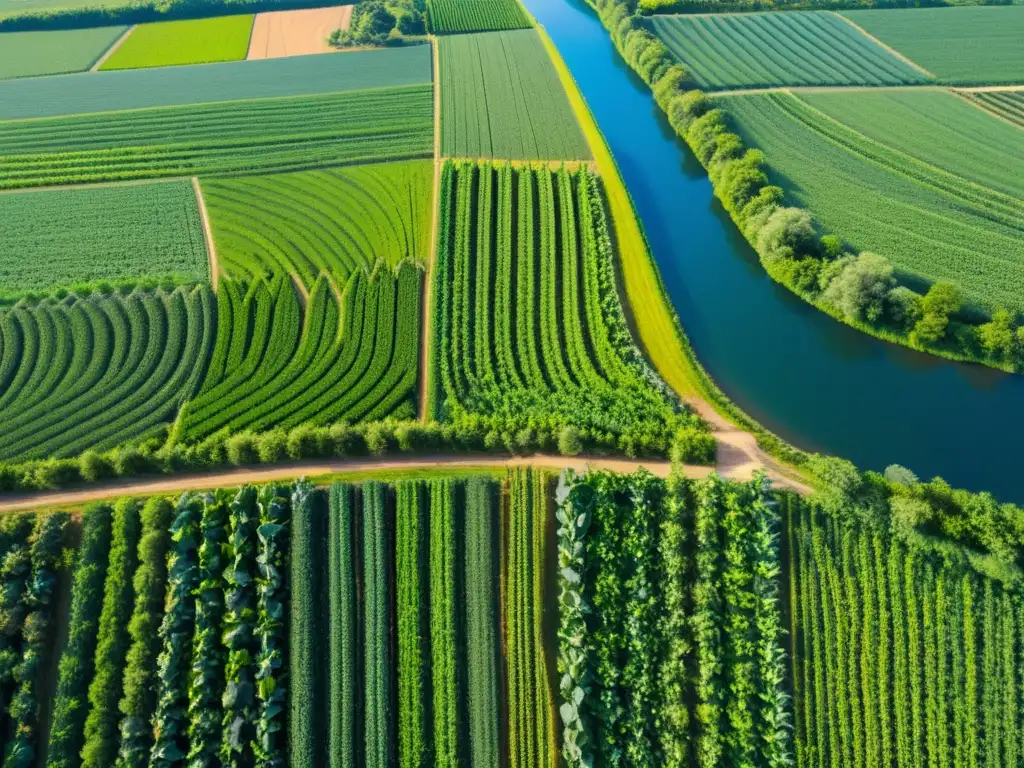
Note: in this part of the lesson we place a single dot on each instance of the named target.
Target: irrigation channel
(819, 384)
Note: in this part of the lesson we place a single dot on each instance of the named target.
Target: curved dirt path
(737, 467)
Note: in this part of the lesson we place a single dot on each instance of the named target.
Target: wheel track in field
(211, 248)
(260, 474)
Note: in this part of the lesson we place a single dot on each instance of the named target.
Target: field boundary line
(425, 345)
(889, 48)
(987, 88)
(211, 249)
(977, 104)
(112, 49)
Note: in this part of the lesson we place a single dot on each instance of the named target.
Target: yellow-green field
(199, 41)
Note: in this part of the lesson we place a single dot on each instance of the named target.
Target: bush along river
(819, 384)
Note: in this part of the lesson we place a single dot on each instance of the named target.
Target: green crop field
(98, 371)
(65, 237)
(228, 81)
(327, 221)
(931, 223)
(526, 311)
(27, 54)
(198, 41)
(501, 98)
(761, 50)
(1007, 104)
(962, 46)
(446, 16)
(276, 363)
(228, 137)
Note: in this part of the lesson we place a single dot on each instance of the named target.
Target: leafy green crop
(194, 41)
(475, 15)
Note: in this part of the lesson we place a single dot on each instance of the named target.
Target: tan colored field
(296, 33)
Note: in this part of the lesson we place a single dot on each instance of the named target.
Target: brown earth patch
(296, 33)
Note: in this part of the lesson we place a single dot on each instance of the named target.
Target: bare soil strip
(232, 477)
(427, 292)
(211, 249)
(276, 34)
(112, 49)
(890, 49)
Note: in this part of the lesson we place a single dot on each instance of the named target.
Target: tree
(999, 336)
(570, 442)
(411, 23)
(895, 473)
(860, 290)
(787, 233)
(941, 301)
(904, 306)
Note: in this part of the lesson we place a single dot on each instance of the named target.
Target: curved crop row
(97, 371)
(527, 311)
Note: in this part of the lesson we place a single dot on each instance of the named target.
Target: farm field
(228, 81)
(68, 237)
(280, 361)
(961, 46)
(226, 137)
(326, 221)
(501, 98)
(296, 33)
(28, 54)
(1008, 104)
(97, 371)
(762, 50)
(170, 43)
(930, 223)
(527, 318)
(447, 16)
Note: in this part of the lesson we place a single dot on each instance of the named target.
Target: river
(819, 384)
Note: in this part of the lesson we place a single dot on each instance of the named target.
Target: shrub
(569, 441)
(242, 449)
(861, 289)
(272, 446)
(693, 446)
(787, 233)
(376, 436)
(904, 306)
(93, 467)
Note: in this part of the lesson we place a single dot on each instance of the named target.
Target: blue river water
(815, 382)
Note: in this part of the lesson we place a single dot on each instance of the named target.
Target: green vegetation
(329, 222)
(344, 622)
(377, 629)
(98, 371)
(304, 639)
(411, 623)
(171, 43)
(28, 54)
(762, 50)
(530, 332)
(444, 607)
(961, 46)
(376, 22)
(1007, 104)
(919, 178)
(276, 363)
(83, 236)
(230, 81)
(446, 16)
(525, 114)
(230, 137)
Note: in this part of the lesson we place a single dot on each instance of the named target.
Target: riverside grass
(30, 54)
(172, 43)
(911, 198)
(762, 50)
(73, 236)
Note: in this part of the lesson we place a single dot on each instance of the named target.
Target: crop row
(333, 221)
(475, 16)
(1006, 104)
(277, 364)
(223, 138)
(527, 311)
(671, 640)
(97, 371)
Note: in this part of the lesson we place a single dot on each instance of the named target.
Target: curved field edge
(653, 320)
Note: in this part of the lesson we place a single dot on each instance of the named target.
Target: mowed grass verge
(229, 81)
(28, 54)
(331, 221)
(447, 16)
(762, 50)
(74, 236)
(961, 46)
(222, 138)
(195, 41)
(501, 98)
(903, 191)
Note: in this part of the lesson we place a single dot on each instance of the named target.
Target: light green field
(1009, 105)
(27, 54)
(67, 236)
(9, 7)
(761, 50)
(311, 222)
(198, 41)
(501, 98)
(931, 183)
(962, 46)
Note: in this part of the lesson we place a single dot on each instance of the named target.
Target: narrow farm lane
(424, 379)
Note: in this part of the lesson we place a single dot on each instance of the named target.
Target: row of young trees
(671, 646)
(528, 319)
(859, 288)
